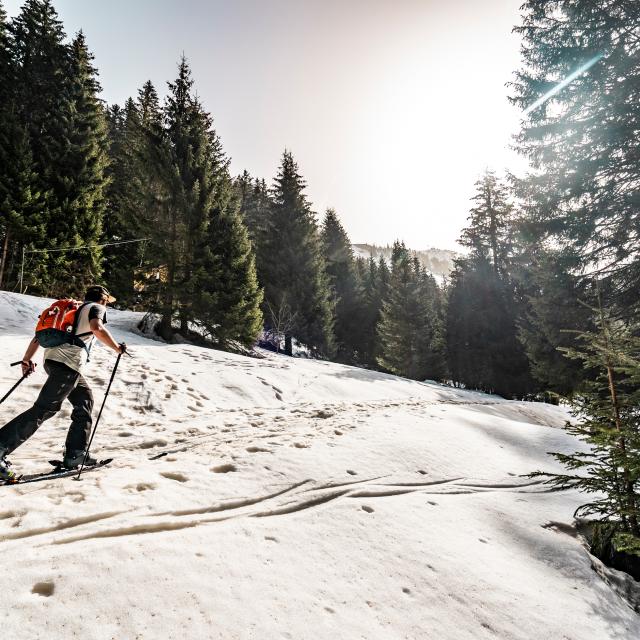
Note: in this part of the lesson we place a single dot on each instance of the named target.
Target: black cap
(99, 291)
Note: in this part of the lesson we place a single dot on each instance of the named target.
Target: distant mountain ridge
(439, 262)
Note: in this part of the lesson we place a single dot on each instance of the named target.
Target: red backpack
(58, 323)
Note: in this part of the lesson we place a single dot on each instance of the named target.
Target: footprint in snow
(44, 589)
(140, 486)
(224, 468)
(149, 444)
(174, 475)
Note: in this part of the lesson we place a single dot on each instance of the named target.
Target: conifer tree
(255, 205)
(489, 228)
(226, 295)
(85, 183)
(408, 326)
(21, 204)
(125, 172)
(481, 335)
(582, 142)
(555, 309)
(373, 283)
(484, 304)
(197, 239)
(56, 90)
(345, 291)
(608, 421)
(292, 267)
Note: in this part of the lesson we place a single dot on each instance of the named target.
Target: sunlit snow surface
(298, 499)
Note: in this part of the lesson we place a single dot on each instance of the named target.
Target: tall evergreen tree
(555, 308)
(608, 421)
(226, 295)
(198, 241)
(21, 204)
(85, 163)
(126, 172)
(482, 346)
(255, 205)
(56, 90)
(484, 303)
(292, 270)
(489, 230)
(345, 290)
(583, 142)
(408, 324)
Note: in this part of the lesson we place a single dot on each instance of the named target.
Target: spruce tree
(345, 291)
(606, 413)
(56, 91)
(204, 262)
(227, 297)
(86, 181)
(292, 268)
(582, 142)
(483, 350)
(123, 268)
(555, 308)
(21, 204)
(484, 303)
(255, 205)
(489, 228)
(408, 325)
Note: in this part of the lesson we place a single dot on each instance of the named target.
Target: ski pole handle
(15, 364)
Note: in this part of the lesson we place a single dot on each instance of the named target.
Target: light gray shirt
(73, 356)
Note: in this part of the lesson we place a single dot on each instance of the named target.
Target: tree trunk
(5, 251)
(164, 328)
(629, 489)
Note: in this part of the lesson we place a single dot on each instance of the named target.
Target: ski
(58, 472)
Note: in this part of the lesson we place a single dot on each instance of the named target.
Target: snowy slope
(297, 499)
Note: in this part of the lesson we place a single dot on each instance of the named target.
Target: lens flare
(561, 85)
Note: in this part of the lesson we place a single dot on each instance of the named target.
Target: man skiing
(63, 365)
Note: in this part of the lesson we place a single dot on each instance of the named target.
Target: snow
(298, 499)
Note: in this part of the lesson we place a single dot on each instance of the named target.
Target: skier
(63, 365)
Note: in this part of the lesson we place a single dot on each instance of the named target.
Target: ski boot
(73, 459)
(6, 475)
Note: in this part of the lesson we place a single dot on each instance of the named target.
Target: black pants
(63, 382)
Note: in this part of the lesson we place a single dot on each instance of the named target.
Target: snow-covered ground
(297, 499)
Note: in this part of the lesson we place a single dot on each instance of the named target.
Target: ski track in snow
(280, 498)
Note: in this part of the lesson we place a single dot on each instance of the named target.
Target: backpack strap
(74, 337)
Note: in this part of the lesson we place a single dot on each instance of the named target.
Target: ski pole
(86, 453)
(15, 386)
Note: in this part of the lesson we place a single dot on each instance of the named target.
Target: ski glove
(28, 367)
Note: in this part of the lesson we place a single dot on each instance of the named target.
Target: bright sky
(392, 108)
